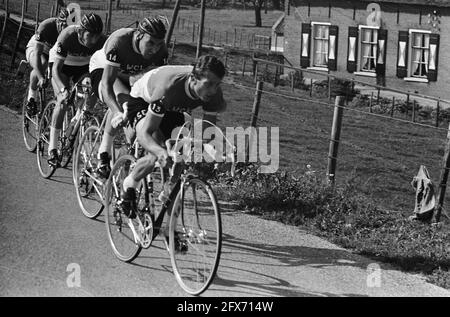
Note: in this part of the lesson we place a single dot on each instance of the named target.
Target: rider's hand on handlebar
(120, 118)
(164, 159)
(62, 96)
(42, 83)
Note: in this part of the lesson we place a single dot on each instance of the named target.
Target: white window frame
(313, 41)
(410, 76)
(359, 71)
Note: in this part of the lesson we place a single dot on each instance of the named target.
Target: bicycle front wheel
(43, 141)
(195, 236)
(88, 187)
(118, 226)
(66, 148)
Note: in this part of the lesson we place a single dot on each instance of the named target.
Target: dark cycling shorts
(96, 78)
(137, 110)
(75, 72)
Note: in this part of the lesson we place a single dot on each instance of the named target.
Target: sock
(53, 144)
(106, 144)
(32, 94)
(129, 182)
(104, 158)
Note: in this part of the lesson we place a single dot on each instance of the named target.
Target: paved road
(43, 236)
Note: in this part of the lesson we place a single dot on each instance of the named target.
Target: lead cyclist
(156, 106)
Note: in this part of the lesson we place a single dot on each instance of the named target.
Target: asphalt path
(45, 240)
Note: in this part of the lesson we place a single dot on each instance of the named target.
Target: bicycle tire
(196, 220)
(45, 170)
(89, 192)
(66, 155)
(115, 221)
(29, 127)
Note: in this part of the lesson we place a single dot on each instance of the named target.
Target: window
(417, 58)
(366, 50)
(420, 52)
(368, 46)
(320, 45)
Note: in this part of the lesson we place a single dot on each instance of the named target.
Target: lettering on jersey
(38, 36)
(59, 48)
(179, 109)
(157, 107)
(134, 68)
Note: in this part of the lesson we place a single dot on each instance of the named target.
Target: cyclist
(70, 56)
(156, 107)
(127, 55)
(37, 52)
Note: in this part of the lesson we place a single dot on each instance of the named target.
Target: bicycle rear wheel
(64, 144)
(88, 187)
(195, 236)
(29, 127)
(120, 234)
(43, 141)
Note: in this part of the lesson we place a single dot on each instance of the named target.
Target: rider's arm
(152, 121)
(40, 72)
(108, 78)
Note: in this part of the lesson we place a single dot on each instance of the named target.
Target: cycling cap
(92, 22)
(155, 27)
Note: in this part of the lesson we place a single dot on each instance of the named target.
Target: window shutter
(402, 55)
(381, 52)
(333, 47)
(433, 57)
(352, 48)
(305, 50)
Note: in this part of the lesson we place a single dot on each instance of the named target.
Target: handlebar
(174, 145)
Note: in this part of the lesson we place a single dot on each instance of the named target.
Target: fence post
(13, 57)
(172, 22)
(414, 111)
(311, 88)
(193, 32)
(292, 80)
(4, 22)
(201, 26)
(407, 104)
(370, 102)
(234, 39)
(108, 25)
(393, 105)
(255, 111)
(437, 113)
(329, 89)
(335, 137)
(243, 66)
(443, 179)
(38, 8)
(378, 96)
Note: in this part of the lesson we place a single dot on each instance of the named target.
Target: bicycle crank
(146, 230)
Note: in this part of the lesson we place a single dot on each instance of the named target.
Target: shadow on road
(236, 261)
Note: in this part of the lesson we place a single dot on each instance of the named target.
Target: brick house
(405, 42)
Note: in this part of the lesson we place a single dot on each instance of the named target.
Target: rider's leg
(33, 88)
(120, 90)
(57, 121)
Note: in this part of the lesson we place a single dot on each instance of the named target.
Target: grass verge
(346, 217)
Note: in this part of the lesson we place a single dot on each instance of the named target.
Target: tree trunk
(258, 20)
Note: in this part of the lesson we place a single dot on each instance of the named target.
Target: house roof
(278, 27)
(437, 3)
